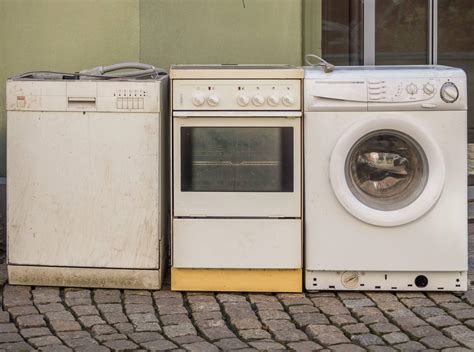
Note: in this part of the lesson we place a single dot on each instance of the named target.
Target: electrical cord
(327, 67)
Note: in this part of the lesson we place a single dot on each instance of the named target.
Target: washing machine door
(387, 171)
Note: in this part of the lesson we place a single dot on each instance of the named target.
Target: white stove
(237, 190)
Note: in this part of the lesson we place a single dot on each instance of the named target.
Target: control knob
(428, 88)
(288, 100)
(213, 100)
(198, 99)
(243, 100)
(449, 92)
(273, 100)
(412, 88)
(258, 100)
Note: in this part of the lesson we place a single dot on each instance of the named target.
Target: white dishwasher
(87, 185)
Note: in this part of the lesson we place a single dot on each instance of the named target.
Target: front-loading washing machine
(385, 178)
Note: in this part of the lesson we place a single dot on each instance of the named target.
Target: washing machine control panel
(241, 94)
(398, 91)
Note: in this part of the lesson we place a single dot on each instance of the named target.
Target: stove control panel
(272, 94)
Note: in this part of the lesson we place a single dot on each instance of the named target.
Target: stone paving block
(22, 310)
(230, 344)
(140, 337)
(187, 339)
(110, 337)
(455, 305)
(158, 345)
(90, 320)
(401, 295)
(367, 339)
(116, 317)
(269, 305)
(35, 332)
(172, 310)
(423, 331)
(110, 308)
(201, 297)
(107, 296)
(10, 337)
(353, 329)
(214, 334)
(139, 308)
(357, 303)
(124, 328)
(254, 334)
(169, 301)
(200, 347)
(463, 314)
(305, 346)
(4, 316)
(64, 325)
(62, 315)
(7, 327)
(438, 342)
(294, 301)
(340, 320)
(326, 334)
(179, 330)
(395, 338)
(304, 319)
(267, 345)
(407, 323)
(202, 315)
(417, 302)
(461, 334)
(343, 295)
(247, 323)
(383, 328)
(121, 345)
(165, 294)
(377, 348)
(347, 348)
(50, 307)
(174, 319)
(43, 295)
(138, 299)
(44, 341)
(441, 297)
(230, 297)
(302, 309)
(15, 346)
(205, 307)
(127, 293)
(289, 335)
(211, 323)
(256, 298)
(334, 309)
(103, 330)
(85, 310)
(274, 325)
(410, 346)
(427, 312)
(273, 315)
(58, 348)
(30, 321)
(92, 348)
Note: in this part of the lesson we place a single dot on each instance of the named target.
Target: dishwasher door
(83, 189)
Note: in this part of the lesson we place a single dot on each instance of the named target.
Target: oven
(237, 164)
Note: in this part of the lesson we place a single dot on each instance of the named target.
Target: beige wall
(71, 35)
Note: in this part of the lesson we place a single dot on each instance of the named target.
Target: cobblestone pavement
(65, 319)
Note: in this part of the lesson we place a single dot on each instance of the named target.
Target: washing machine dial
(243, 100)
(273, 100)
(428, 88)
(213, 100)
(412, 88)
(288, 100)
(258, 100)
(198, 99)
(449, 92)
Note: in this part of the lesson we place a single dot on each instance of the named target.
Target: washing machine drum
(387, 172)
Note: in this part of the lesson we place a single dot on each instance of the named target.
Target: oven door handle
(291, 114)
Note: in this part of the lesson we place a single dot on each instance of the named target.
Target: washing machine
(87, 191)
(385, 178)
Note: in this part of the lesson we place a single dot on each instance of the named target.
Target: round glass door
(386, 170)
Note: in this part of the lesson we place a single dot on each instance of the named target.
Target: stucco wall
(71, 35)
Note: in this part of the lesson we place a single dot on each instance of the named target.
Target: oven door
(237, 166)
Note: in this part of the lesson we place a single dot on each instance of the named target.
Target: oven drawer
(237, 243)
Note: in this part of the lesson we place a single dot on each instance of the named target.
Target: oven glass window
(237, 159)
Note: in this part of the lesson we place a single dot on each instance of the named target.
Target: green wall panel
(64, 35)
(220, 31)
